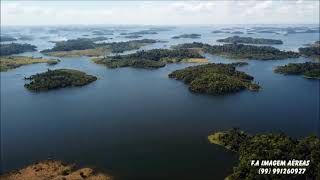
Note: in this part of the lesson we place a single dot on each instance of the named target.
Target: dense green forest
(154, 58)
(307, 69)
(15, 48)
(60, 78)
(249, 40)
(191, 36)
(86, 44)
(312, 50)
(241, 51)
(137, 63)
(7, 38)
(12, 62)
(269, 147)
(215, 79)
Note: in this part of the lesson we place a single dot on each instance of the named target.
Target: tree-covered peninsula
(190, 36)
(154, 58)
(312, 50)
(87, 47)
(270, 147)
(242, 51)
(59, 78)
(15, 48)
(215, 79)
(12, 62)
(249, 40)
(308, 69)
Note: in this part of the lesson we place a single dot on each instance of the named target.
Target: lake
(138, 123)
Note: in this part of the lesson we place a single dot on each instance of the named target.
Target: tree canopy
(15, 48)
(269, 147)
(59, 78)
(215, 79)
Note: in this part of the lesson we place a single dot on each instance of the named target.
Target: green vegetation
(307, 69)
(15, 48)
(112, 63)
(191, 36)
(60, 78)
(87, 47)
(7, 38)
(239, 64)
(12, 62)
(154, 58)
(312, 51)
(249, 40)
(241, 51)
(215, 79)
(269, 147)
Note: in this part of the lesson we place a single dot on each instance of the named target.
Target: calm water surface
(139, 124)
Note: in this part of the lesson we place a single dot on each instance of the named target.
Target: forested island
(52, 169)
(191, 36)
(15, 48)
(249, 40)
(215, 79)
(12, 62)
(307, 69)
(312, 50)
(7, 38)
(242, 51)
(154, 58)
(87, 47)
(269, 147)
(59, 78)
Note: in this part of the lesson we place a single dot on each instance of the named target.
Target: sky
(159, 12)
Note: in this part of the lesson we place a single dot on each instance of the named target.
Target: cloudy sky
(159, 12)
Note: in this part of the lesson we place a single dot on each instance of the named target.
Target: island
(249, 40)
(311, 51)
(132, 36)
(155, 58)
(12, 62)
(53, 169)
(217, 31)
(142, 32)
(237, 32)
(241, 51)
(15, 48)
(87, 47)
(270, 147)
(308, 69)
(7, 38)
(215, 79)
(191, 36)
(102, 32)
(59, 78)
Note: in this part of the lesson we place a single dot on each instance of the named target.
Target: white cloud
(156, 12)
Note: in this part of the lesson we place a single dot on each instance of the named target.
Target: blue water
(139, 124)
